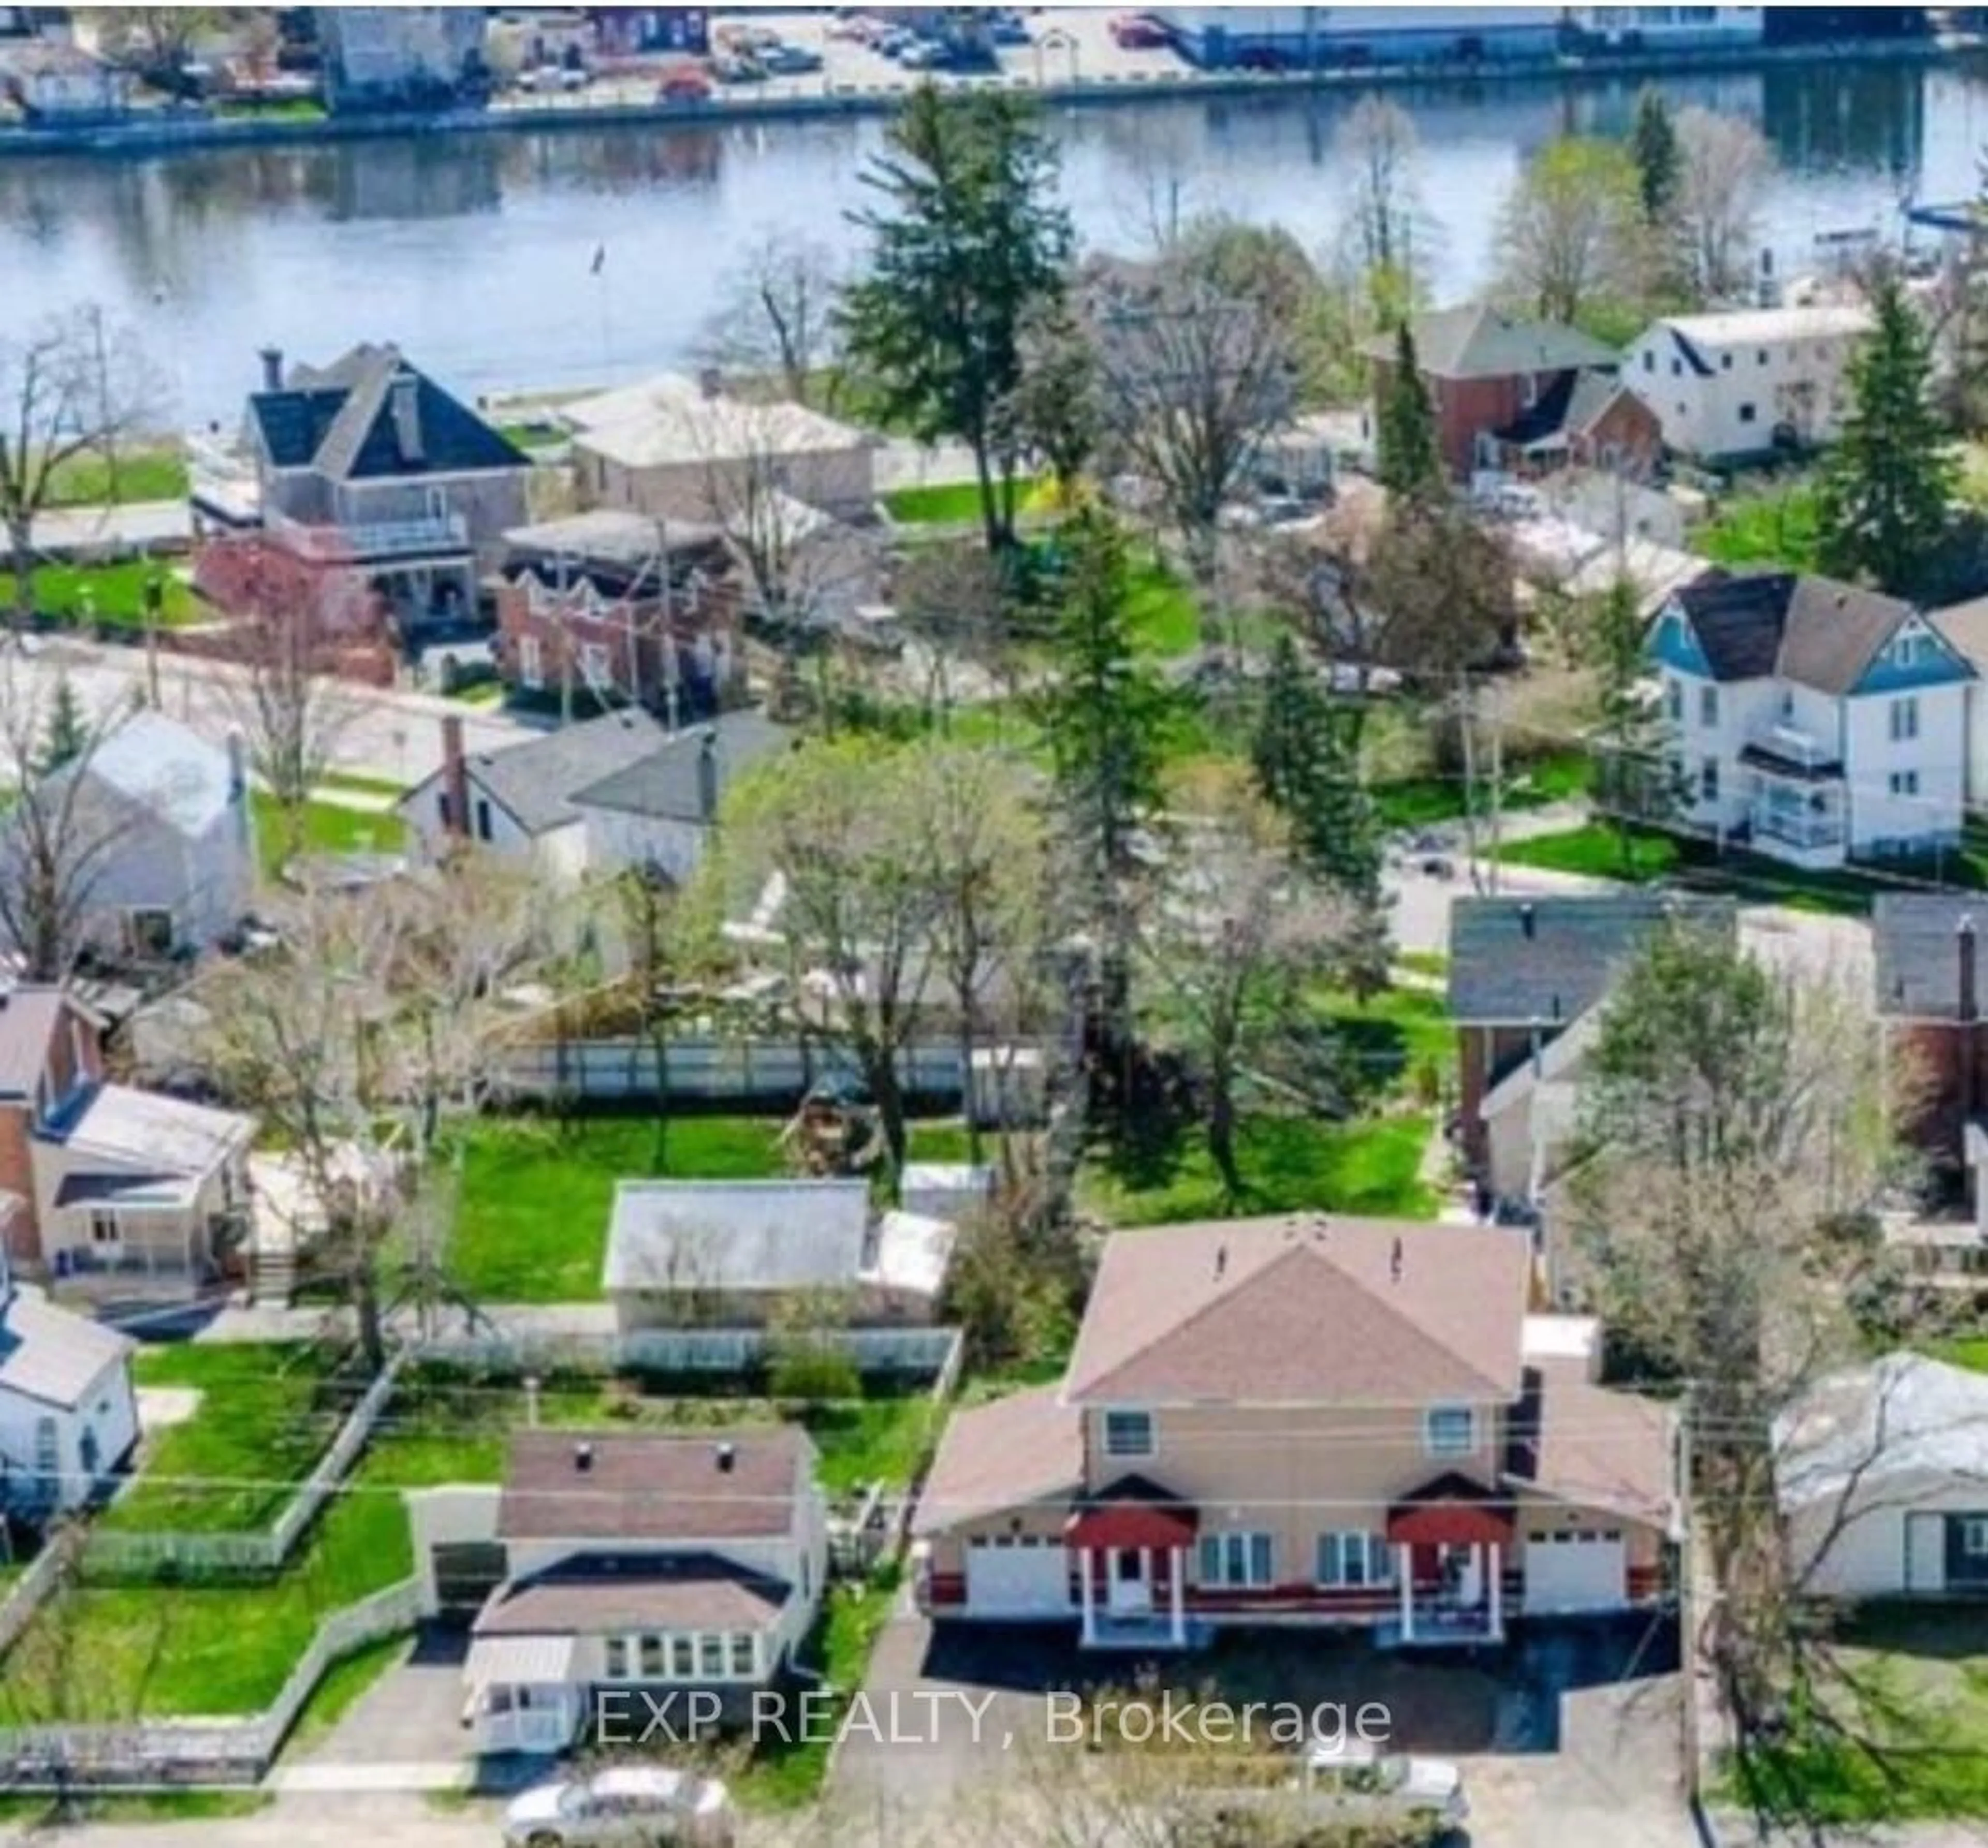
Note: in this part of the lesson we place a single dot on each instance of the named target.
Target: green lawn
(106, 594)
(529, 436)
(1165, 618)
(267, 1412)
(142, 474)
(1923, 1674)
(1421, 802)
(328, 828)
(1775, 525)
(532, 1225)
(291, 109)
(362, 785)
(1288, 1163)
(343, 1685)
(132, 1808)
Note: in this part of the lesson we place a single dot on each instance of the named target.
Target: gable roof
(31, 1014)
(1515, 961)
(167, 769)
(341, 420)
(664, 785)
(736, 1235)
(1815, 631)
(1304, 1311)
(165, 1136)
(600, 1594)
(1750, 327)
(670, 419)
(50, 1355)
(1915, 940)
(1025, 1447)
(1476, 341)
(1581, 1442)
(534, 781)
(639, 1486)
(1898, 1417)
(1569, 406)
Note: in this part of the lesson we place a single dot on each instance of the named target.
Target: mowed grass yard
(107, 593)
(532, 1223)
(1396, 1050)
(328, 828)
(107, 1650)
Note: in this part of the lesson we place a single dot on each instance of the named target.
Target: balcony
(375, 542)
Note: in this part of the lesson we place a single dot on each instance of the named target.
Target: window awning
(1452, 1511)
(519, 1661)
(1134, 1510)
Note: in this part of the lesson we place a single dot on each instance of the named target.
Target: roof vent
(726, 1457)
(583, 1457)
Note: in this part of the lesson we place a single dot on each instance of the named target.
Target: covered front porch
(521, 1694)
(1129, 1544)
(1452, 1538)
(1795, 801)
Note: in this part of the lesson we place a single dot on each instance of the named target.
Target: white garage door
(1575, 1572)
(1026, 1577)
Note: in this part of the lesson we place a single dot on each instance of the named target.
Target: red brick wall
(1629, 427)
(1929, 1088)
(1463, 407)
(568, 624)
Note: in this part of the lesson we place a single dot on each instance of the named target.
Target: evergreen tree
(1887, 487)
(68, 730)
(1653, 146)
(1408, 462)
(1102, 712)
(967, 249)
(1634, 781)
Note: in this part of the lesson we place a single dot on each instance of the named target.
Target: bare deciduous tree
(776, 318)
(69, 387)
(1384, 230)
(1571, 232)
(1725, 167)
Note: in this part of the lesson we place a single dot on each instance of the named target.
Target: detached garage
(1882, 1474)
(1569, 1572)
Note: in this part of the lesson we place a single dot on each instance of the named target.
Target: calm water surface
(476, 255)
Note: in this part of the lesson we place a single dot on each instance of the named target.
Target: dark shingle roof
(1916, 936)
(1514, 960)
(1813, 630)
(1475, 341)
(665, 784)
(721, 1485)
(601, 1594)
(340, 420)
(535, 781)
(1572, 403)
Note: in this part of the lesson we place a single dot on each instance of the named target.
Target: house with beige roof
(1305, 1420)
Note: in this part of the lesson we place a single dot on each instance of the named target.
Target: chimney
(1525, 919)
(726, 1457)
(707, 774)
(1969, 998)
(407, 417)
(583, 1457)
(1394, 1261)
(272, 368)
(455, 779)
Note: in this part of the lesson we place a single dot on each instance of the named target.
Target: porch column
(1404, 1568)
(1495, 1557)
(1089, 1594)
(1176, 1598)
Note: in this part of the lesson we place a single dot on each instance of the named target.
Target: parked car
(736, 67)
(1135, 32)
(790, 61)
(1009, 30)
(684, 83)
(922, 54)
(1350, 1773)
(631, 1807)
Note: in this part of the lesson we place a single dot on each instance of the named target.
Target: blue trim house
(1813, 721)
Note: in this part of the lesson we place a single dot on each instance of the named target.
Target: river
(477, 254)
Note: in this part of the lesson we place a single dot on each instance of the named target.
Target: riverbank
(169, 132)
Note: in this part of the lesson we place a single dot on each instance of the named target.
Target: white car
(635, 1806)
(1357, 1775)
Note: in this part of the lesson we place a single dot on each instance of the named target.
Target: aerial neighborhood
(827, 1071)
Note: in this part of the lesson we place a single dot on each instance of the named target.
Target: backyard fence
(200, 1752)
(915, 1354)
(111, 1552)
(26, 1594)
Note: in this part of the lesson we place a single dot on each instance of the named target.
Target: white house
(620, 1562)
(1882, 1476)
(170, 836)
(1813, 721)
(1745, 382)
(68, 1414)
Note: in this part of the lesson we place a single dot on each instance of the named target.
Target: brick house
(623, 607)
(1524, 397)
(1526, 976)
(1305, 1420)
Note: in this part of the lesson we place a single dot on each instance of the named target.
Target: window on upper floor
(1708, 705)
(1649, 360)
(1707, 780)
(1904, 782)
(1747, 413)
(1449, 1430)
(1128, 1433)
(1762, 355)
(1904, 719)
(1236, 1560)
(1677, 369)
(1673, 699)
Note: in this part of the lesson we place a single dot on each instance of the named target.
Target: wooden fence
(200, 1752)
(24, 1597)
(913, 1352)
(114, 1551)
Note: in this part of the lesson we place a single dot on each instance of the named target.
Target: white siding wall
(1744, 708)
(109, 1411)
(1866, 1557)
(1701, 416)
(1939, 754)
(453, 1514)
(615, 839)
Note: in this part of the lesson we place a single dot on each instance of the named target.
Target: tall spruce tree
(1635, 781)
(1889, 484)
(69, 736)
(968, 246)
(1102, 712)
(1653, 146)
(1408, 461)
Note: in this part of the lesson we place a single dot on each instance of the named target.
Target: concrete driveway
(405, 1733)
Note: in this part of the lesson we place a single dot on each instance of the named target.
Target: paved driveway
(1558, 1751)
(405, 1733)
